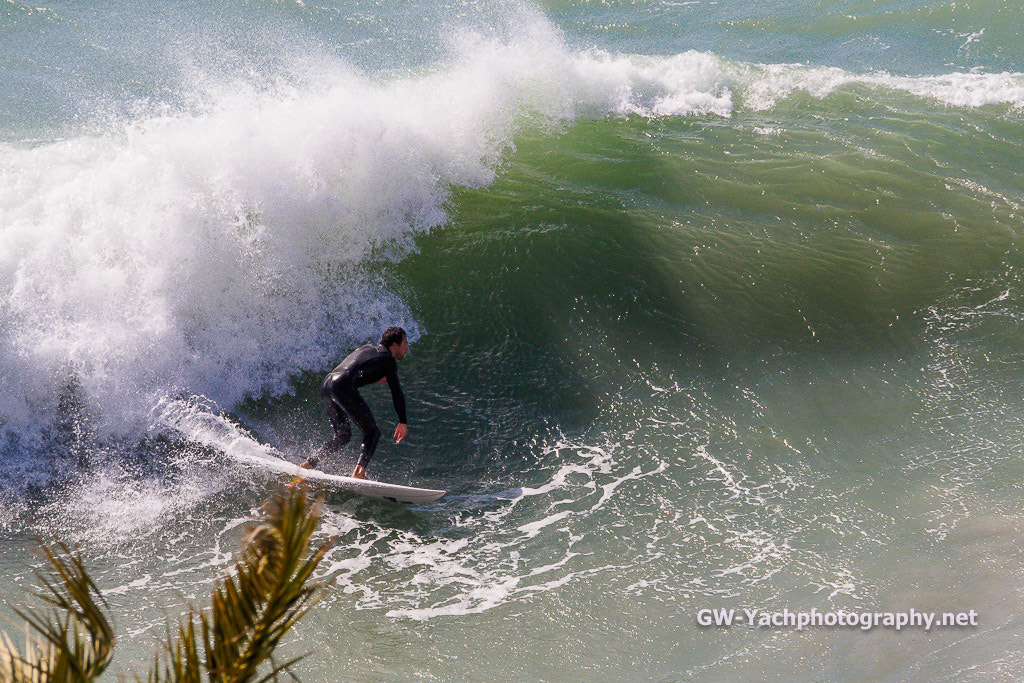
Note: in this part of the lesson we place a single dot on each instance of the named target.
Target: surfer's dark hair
(392, 335)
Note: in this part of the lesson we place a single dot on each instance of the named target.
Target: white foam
(764, 85)
(534, 528)
(197, 420)
(216, 254)
(113, 506)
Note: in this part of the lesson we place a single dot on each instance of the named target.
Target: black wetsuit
(366, 365)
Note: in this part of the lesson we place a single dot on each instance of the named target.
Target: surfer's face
(399, 350)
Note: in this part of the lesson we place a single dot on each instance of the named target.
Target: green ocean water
(712, 306)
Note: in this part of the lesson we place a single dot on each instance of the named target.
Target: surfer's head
(395, 340)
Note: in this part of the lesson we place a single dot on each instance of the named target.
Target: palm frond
(254, 607)
(73, 640)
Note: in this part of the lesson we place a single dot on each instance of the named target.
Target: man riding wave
(370, 363)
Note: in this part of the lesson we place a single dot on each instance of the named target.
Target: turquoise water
(712, 305)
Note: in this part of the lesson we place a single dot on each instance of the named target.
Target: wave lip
(764, 85)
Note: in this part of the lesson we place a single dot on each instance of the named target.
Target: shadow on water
(414, 519)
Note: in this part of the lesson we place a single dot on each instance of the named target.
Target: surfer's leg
(339, 422)
(342, 428)
(356, 407)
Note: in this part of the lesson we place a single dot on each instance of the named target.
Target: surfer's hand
(400, 432)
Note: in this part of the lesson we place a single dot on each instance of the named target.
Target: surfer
(368, 364)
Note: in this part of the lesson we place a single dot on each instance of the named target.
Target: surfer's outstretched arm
(397, 397)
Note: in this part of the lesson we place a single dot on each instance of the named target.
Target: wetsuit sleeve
(397, 397)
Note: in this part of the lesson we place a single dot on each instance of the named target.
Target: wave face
(225, 248)
(710, 304)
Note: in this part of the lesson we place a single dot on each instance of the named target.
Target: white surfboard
(242, 450)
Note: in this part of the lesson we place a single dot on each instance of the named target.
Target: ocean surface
(712, 305)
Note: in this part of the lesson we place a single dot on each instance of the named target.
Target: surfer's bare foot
(359, 473)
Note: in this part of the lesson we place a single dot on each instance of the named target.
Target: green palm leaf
(254, 607)
(71, 642)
